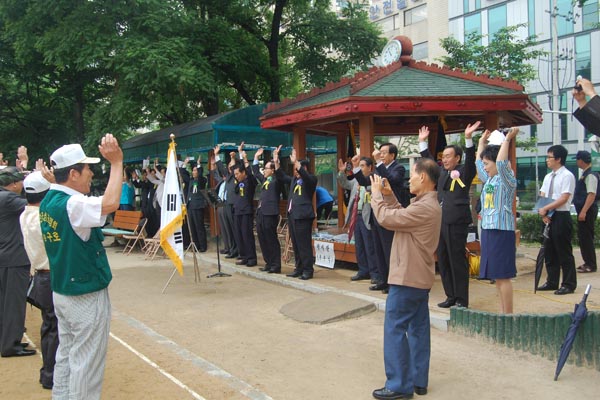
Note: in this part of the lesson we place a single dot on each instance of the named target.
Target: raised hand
(470, 129)
(512, 133)
(293, 156)
(241, 148)
(341, 165)
(109, 148)
(423, 133)
(484, 137)
(355, 161)
(216, 150)
(375, 155)
(259, 153)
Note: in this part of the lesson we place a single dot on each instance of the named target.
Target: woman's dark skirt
(498, 254)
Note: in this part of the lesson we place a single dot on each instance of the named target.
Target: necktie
(551, 189)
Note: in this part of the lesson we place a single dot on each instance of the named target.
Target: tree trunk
(273, 47)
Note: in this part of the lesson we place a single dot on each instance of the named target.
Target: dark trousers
(13, 301)
(49, 328)
(406, 339)
(197, 227)
(365, 252)
(382, 247)
(245, 229)
(559, 251)
(229, 230)
(301, 235)
(324, 210)
(585, 233)
(452, 262)
(266, 229)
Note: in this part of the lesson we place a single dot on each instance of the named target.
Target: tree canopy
(71, 70)
(505, 56)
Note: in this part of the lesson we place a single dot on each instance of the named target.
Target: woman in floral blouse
(497, 220)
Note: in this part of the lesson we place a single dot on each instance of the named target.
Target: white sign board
(324, 254)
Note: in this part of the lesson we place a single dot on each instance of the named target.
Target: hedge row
(531, 229)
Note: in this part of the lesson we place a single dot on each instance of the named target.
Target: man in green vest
(71, 226)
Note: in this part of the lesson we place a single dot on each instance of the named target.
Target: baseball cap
(10, 175)
(71, 154)
(35, 183)
(584, 156)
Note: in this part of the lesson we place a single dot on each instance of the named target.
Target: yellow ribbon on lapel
(462, 185)
(489, 200)
(298, 189)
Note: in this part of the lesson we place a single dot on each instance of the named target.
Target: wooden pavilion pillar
(366, 131)
(299, 141)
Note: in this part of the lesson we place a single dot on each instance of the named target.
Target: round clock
(391, 52)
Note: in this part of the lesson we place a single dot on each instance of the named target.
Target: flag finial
(172, 137)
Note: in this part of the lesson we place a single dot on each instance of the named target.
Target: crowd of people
(57, 262)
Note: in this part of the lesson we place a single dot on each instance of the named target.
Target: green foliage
(72, 70)
(505, 56)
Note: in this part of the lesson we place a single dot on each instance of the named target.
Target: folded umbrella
(579, 314)
(353, 216)
(539, 261)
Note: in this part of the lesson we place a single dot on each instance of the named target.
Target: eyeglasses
(550, 158)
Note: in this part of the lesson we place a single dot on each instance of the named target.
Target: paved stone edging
(438, 320)
(534, 333)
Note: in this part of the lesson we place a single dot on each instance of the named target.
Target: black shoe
(224, 251)
(241, 262)
(23, 344)
(306, 277)
(251, 264)
(264, 269)
(20, 352)
(461, 305)
(547, 287)
(360, 277)
(45, 386)
(421, 391)
(447, 303)
(386, 394)
(374, 281)
(563, 290)
(231, 256)
(379, 286)
(274, 271)
(294, 274)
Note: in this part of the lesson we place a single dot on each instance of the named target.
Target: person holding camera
(588, 112)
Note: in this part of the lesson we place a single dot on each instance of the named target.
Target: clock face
(391, 52)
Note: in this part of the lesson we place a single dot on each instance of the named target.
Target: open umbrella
(578, 316)
(539, 261)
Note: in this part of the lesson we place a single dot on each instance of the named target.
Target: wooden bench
(124, 223)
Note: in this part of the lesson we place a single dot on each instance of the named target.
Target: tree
(506, 56)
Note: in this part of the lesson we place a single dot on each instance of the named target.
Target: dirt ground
(224, 338)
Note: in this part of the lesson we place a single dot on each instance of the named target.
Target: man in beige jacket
(406, 342)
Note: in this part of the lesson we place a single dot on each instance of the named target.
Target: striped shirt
(497, 197)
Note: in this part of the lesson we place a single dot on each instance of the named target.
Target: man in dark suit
(301, 213)
(196, 203)
(588, 112)
(453, 194)
(243, 212)
(390, 169)
(267, 214)
(228, 226)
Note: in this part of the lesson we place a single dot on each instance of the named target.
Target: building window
(473, 24)
(400, 4)
(415, 15)
(496, 20)
(420, 51)
(564, 22)
(590, 14)
(583, 56)
(564, 127)
(531, 17)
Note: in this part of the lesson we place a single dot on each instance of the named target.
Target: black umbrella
(578, 316)
(539, 261)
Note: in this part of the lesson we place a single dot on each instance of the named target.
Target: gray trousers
(13, 295)
(83, 331)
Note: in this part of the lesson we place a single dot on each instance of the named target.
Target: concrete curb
(438, 320)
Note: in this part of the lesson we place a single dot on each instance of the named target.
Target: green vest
(76, 267)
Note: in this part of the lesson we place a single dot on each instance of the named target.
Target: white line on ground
(158, 368)
(234, 382)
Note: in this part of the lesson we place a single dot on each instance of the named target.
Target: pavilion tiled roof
(416, 79)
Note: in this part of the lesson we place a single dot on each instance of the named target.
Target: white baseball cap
(71, 154)
(35, 183)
